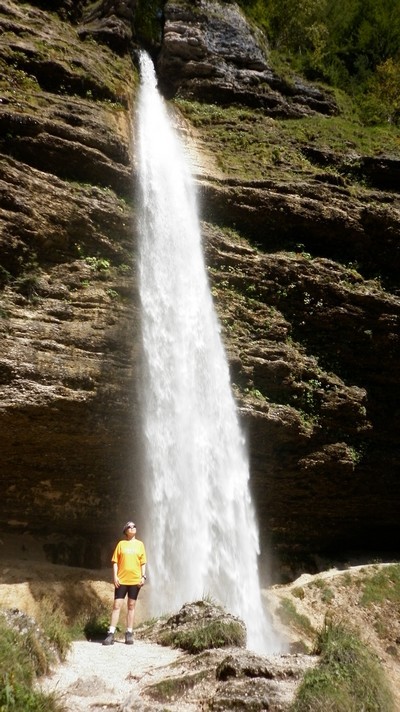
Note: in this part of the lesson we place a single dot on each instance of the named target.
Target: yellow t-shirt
(129, 557)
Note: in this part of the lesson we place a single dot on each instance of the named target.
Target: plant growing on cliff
(148, 21)
(348, 678)
(25, 654)
(350, 44)
(384, 585)
(290, 616)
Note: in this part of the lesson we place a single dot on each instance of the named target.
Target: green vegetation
(15, 80)
(348, 677)
(148, 15)
(173, 687)
(252, 146)
(290, 616)
(351, 44)
(93, 623)
(98, 264)
(25, 653)
(384, 585)
(67, 615)
(216, 634)
(29, 647)
(54, 624)
(70, 75)
(327, 595)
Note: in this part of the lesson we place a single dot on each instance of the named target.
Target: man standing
(129, 568)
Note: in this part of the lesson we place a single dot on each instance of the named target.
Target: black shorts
(123, 589)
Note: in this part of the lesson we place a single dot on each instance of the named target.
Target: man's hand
(116, 582)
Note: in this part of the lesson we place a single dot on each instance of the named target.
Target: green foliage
(94, 623)
(347, 679)
(352, 44)
(384, 585)
(172, 687)
(382, 101)
(54, 625)
(99, 264)
(246, 141)
(24, 654)
(255, 393)
(27, 285)
(5, 276)
(14, 79)
(327, 595)
(148, 16)
(289, 615)
(216, 634)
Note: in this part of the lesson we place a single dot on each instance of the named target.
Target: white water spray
(201, 535)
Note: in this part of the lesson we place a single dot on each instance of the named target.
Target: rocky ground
(148, 676)
(97, 678)
(300, 218)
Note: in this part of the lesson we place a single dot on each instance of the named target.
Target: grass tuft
(25, 654)
(384, 585)
(290, 616)
(216, 634)
(347, 679)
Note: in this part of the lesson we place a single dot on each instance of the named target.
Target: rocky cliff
(301, 228)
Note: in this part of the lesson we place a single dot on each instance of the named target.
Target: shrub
(95, 625)
(347, 679)
(25, 653)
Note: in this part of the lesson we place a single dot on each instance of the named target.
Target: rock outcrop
(222, 674)
(303, 265)
(68, 316)
(211, 53)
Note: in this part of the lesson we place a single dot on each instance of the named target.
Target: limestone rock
(198, 626)
(110, 22)
(311, 333)
(211, 53)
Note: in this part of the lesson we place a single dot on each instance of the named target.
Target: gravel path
(95, 677)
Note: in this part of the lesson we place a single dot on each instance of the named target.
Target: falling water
(201, 533)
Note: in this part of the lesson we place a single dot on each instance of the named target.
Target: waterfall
(200, 529)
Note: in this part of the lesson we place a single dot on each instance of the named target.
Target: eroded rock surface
(304, 272)
(222, 677)
(68, 315)
(211, 53)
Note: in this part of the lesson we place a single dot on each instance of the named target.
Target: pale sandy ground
(97, 677)
(93, 677)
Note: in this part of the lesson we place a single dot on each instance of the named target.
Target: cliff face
(301, 240)
(68, 315)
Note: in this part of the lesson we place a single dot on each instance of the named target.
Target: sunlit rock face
(311, 335)
(68, 314)
(211, 53)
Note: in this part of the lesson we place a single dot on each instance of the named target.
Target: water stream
(201, 534)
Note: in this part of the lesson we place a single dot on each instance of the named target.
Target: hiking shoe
(109, 640)
(128, 638)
